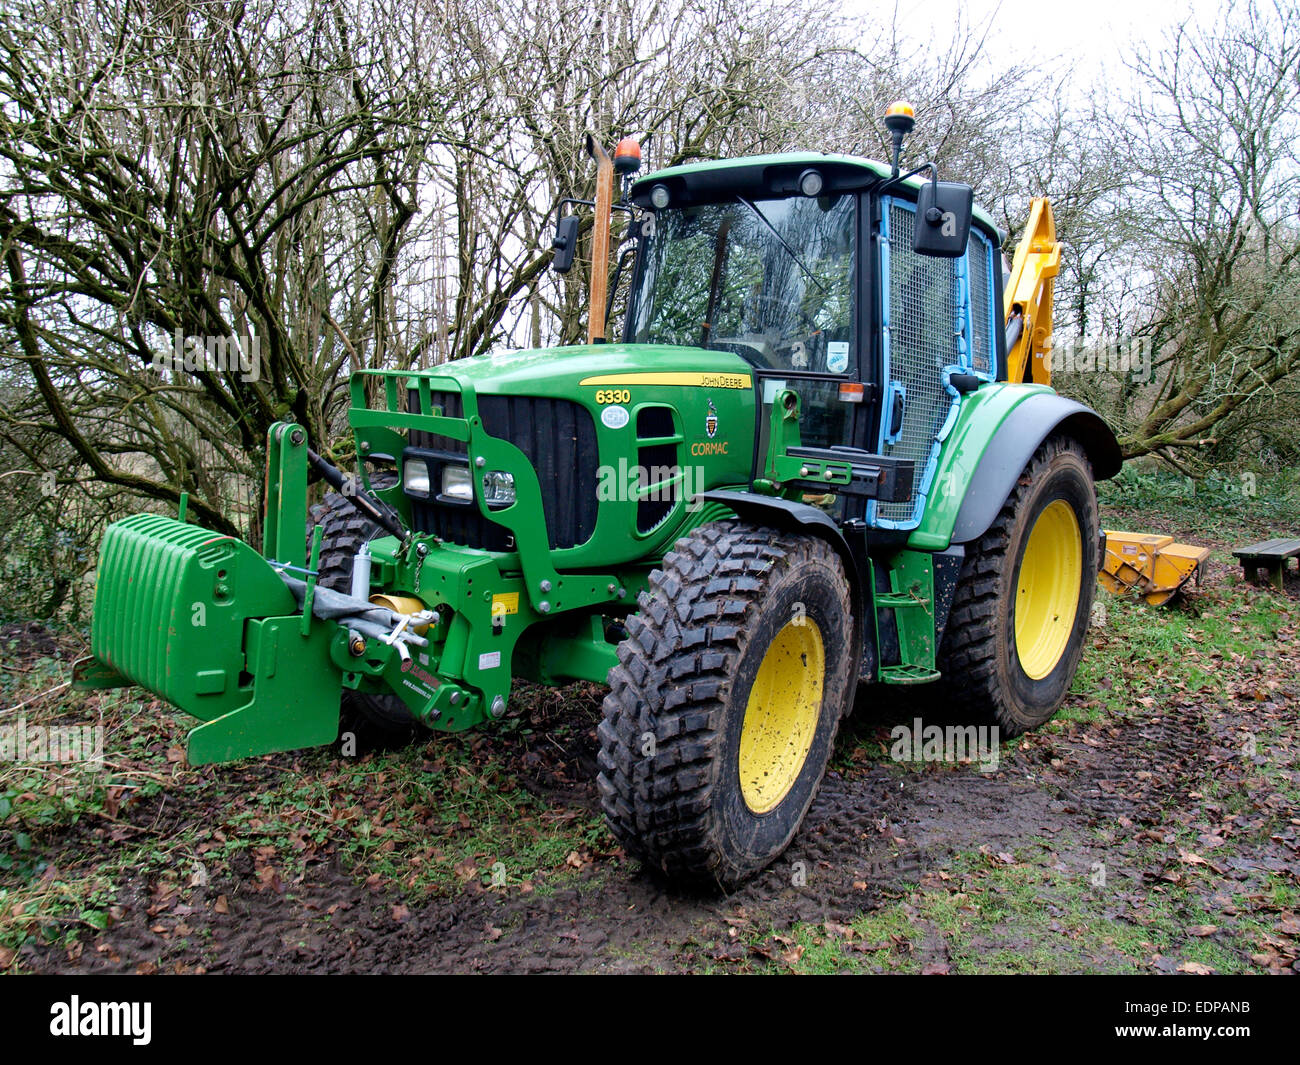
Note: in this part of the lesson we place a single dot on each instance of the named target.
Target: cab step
(908, 674)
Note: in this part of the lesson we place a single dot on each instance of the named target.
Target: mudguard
(787, 514)
(995, 437)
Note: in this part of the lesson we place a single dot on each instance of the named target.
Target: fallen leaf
(1203, 929)
(221, 905)
(1196, 968)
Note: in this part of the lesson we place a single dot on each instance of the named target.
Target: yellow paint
(1029, 291)
(403, 604)
(1047, 590)
(505, 603)
(688, 380)
(781, 715)
(1148, 563)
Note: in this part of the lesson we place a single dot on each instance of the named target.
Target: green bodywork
(207, 623)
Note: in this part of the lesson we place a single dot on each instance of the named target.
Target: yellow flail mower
(1147, 564)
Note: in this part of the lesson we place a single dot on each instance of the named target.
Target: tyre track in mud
(872, 833)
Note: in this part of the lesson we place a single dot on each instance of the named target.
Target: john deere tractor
(815, 460)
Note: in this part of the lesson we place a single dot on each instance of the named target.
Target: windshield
(771, 280)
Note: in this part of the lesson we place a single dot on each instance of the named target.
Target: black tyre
(376, 720)
(1020, 614)
(723, 710)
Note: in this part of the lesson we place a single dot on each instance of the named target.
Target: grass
(423, 821)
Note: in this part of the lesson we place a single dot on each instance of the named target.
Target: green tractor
(804, 468)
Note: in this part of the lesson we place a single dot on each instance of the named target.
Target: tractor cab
(870, 294)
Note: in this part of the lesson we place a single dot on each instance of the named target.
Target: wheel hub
(781, 714)
(1047, 589)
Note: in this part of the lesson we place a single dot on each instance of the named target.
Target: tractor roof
(772, 175)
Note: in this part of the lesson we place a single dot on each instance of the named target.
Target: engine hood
(550, 370)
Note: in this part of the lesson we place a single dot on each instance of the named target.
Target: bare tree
(1215, 248)
(228, 183)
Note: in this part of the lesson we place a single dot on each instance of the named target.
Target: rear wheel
(375, 720)
(723, 710)
(1020, 614)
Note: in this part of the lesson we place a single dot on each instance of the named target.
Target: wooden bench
(1270, 555)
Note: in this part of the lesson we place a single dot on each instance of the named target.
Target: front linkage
(251, 646)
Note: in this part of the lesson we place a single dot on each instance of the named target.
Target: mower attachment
(1153, 565)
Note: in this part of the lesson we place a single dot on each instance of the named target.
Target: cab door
(935, 321)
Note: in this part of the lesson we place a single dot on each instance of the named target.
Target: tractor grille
(922, 341)
(981, 300)
(557, 436)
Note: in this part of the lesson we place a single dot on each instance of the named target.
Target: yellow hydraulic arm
(1028, 298)
(1148, 564)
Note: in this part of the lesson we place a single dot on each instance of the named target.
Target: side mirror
(943, 215)
(566, 243)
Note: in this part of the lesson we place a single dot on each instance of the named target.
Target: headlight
(456, 483)
(415, 477)
(499, 487)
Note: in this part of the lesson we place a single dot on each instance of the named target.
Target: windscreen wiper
(797, 261)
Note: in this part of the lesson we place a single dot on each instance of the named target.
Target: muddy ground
(1120, 791)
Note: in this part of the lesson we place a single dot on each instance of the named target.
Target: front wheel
(1020, 614)
(723, 710)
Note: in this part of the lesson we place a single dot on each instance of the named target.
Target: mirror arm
(934, 176)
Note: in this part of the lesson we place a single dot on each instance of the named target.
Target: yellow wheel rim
(781, 715)
(1047, 592)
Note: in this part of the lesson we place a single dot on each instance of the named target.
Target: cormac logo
(102, 1018)
(709, 447)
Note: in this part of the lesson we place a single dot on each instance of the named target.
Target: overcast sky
(1088, 36)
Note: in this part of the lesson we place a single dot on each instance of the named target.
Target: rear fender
(997, 432)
